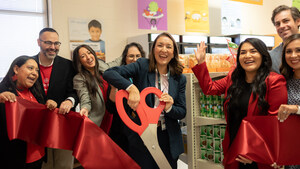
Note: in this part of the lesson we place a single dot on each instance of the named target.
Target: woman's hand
(200, 52)
(285, 110)
(243, 160)
(84, 111)
(165, 97)
(7, 96)
(134, 97)
(51, 104)
(274, 165)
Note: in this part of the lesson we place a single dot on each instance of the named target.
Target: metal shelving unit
(194, 121)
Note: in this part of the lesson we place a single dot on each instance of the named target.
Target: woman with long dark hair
(89, 84)
(20, 80)
(251, 89)
(290, 69)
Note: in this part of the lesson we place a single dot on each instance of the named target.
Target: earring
(14, 77)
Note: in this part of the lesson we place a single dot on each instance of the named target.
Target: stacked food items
(211, 106)
(211, 138)
(214, 62)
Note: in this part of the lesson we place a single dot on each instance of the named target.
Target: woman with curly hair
(251, 89)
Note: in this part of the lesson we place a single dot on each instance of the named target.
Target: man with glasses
(56, 76)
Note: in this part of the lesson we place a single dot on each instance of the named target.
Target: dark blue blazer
(142, 78)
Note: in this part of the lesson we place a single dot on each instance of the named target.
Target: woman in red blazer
(250, 89)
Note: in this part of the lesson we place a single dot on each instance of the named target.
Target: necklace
(26, 94)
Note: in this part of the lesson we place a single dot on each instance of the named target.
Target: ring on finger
(284, 112)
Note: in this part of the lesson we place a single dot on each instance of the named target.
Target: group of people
(251, 89)
(60, 83)
(262, 83)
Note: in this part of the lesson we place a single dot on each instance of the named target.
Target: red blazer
(276, 95)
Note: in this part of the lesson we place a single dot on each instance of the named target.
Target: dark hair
(36, 89)
(294, 12)
(125, 51)
(285, 69)
(92, 80)
(94, 23)
(174, 66)
(47, 30)
(259, 85)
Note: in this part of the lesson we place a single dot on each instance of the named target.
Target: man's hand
(65, 107)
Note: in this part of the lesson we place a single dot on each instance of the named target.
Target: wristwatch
(298, 112)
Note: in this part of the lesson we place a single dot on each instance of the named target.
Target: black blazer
(61, 81)
(142, 78)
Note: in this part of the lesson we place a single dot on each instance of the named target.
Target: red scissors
(148, 128)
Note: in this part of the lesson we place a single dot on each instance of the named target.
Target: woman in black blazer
(164, 71)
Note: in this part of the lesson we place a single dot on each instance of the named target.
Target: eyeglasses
(49, 43)
(132, 56)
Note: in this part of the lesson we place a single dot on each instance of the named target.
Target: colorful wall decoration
(256, 2)
(152, 14)
(196, 16)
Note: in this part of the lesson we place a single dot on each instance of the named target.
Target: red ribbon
(265, 140)
(34, 123)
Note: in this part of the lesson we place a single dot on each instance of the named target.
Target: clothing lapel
(54, 73)
(151, 81)
(172, 88)
(40, 77)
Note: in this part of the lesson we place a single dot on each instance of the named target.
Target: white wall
(120, 21)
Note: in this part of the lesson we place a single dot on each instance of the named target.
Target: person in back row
(286, 21)
(119, 132)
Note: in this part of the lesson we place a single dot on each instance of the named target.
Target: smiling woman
(251, 89)
(20, 80)
(163, 71)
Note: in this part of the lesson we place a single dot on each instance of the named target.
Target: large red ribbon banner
(265, 140)
(34, 123)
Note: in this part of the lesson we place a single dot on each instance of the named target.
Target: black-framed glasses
(49, 43)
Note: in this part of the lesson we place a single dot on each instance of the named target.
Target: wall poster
(87, 31)
(231, 17)
(152, 14)
(256, 2)
(196, 16)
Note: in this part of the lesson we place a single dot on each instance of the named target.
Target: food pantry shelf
(194, 121)
(203, 121)
(208, 164)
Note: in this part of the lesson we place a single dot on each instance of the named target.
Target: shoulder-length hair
(259, 85)
(175, 67)
(92, 80)
(10, 82)
(125, 51)
(285, 69)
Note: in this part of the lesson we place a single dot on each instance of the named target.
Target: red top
(34, 152)
(276, 95)
(107, 119)
(46, 74)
